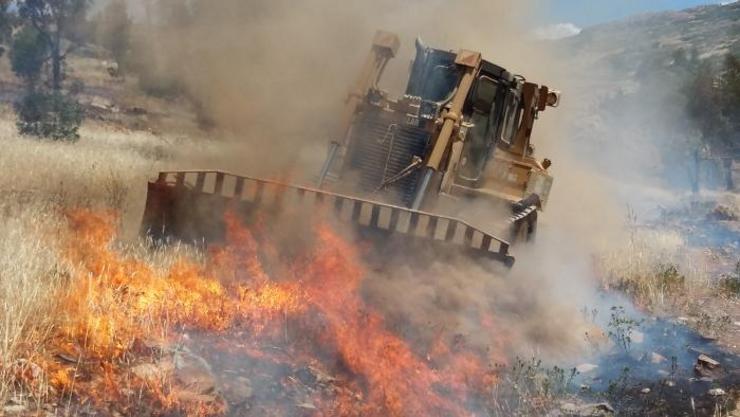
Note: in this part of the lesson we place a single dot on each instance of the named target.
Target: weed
(713, 325)
(669, 278)
(589, 314)
(621, 327)
(532, 388)
(729, 284)
(618, 386)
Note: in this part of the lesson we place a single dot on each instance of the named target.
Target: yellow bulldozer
(450, 163)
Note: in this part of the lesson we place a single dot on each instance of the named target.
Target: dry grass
(654, 269)
(31, 272)
(42, 179)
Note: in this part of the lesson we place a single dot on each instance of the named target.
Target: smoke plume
(275, 73)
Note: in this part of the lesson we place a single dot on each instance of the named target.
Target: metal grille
(382, 146)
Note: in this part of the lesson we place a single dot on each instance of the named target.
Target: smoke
(274, 73)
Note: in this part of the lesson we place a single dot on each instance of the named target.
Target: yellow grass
(41, 179)
(654, 269)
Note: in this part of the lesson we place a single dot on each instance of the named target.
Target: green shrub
(669, 278)
(49, 115)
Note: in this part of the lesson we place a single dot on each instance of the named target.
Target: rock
(147, 371)
(310, 375)
(568, 408)
(706, 367)
(645, 391)
(717, 392)
(585, 368)
(193, 372)
(657, 358)
(191, 397)
(29, 369)
(14, 409)
(306, 406)
(101, 103)
(723, 213)
(238, 389)
(637, 336)
(707, 362)
(137, 111)
(157, 344)
(670, 383)
(595, 410)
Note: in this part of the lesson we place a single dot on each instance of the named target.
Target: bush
(49, 115)
(729, 284)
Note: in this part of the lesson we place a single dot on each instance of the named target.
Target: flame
(115, 303)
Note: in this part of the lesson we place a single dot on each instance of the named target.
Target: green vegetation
(729, 284)
(532, 388)
(47, 32)
(621, 327)
(714, 99)
(28, 55)
(50, 115)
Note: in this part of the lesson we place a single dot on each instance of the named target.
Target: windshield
(511, 119)
(441, 83)
(434, 75)
(479, 138)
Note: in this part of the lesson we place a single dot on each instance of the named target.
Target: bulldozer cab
(459, 114)
(490, 108)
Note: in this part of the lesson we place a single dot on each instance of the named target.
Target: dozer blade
(190, 206)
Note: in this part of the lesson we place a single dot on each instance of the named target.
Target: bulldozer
(404, 169)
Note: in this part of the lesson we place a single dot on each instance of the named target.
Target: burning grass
(31, 274)
(114, 311)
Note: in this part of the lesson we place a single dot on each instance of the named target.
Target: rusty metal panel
(470, 59)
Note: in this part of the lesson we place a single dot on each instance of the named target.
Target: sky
(582, 13)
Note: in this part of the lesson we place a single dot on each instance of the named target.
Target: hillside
(627, 85)
(629, 45)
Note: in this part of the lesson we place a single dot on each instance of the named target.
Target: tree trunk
(56, 57)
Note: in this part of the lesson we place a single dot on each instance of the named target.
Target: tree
(114, 32)
(29, 52)
(714, 108)
(56, 21)
(6, 24)
(50, 29)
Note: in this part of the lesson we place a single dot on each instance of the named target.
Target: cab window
(511, 119)
(478, 140)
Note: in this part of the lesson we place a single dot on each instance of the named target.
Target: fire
(116, 304)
